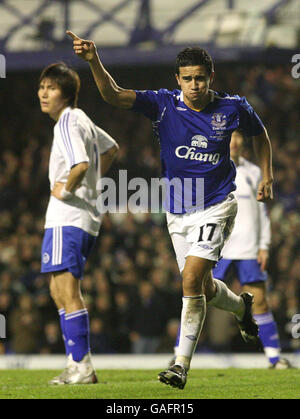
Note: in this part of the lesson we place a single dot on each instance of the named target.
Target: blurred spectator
(167, 342)
(51, 342)
(99, 340)
(124, 312)
(25, 326)
(149, 320)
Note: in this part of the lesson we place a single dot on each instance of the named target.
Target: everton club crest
(218, 121)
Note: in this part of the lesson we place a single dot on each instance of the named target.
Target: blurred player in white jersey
(247, 250)
(81, 152)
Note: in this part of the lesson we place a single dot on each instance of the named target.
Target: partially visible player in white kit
(194, 125)
(81, 152)
(247, 250)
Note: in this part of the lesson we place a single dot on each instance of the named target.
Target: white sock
(192, 319)
(227, 300)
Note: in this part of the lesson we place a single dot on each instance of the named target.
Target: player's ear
(177, 78)
(211, 78)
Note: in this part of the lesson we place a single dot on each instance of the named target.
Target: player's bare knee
(192, 283)
(260, 303)
(260, 306)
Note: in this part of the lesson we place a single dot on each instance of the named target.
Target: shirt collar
(66, 110)
(212, 96)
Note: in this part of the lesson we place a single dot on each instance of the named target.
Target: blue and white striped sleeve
(71, 140)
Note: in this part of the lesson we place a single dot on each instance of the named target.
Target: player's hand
(56, 191)
(265, 191)
(262, 259)
(83, 48)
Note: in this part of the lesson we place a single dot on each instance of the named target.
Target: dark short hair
(66, 78)
(192, 57)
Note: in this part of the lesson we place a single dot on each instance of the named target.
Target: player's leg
(224, 298)
(75, 320)
(61, 312)
(80, 369)
(47, 266)
(57, 380)
(268, 331)
(192, 319)
(193, 314)
(240, 306)
(254, 280)
(198, 239)
(209, 244)
(68, 291)
(219, 295)
(65, 251)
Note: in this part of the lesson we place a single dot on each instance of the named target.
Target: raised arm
(263, 151)
(108, 88)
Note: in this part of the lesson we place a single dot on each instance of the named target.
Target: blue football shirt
(195, 152)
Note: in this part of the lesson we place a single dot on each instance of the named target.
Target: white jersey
(76, 140)
(252, 230)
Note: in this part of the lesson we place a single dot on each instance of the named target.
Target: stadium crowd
(132, 284)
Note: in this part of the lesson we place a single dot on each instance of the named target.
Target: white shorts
(202, 233)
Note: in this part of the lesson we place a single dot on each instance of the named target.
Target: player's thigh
(181, 248)
(201, 234)
(208, 230)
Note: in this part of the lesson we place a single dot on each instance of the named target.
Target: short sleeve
(249, 120)
(70, 140)
(147, 102)
(105, 141)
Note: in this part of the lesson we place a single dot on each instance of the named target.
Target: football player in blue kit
(194, 126)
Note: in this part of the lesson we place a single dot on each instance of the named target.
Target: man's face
(194, 83)
(236, 145)
(51, 98)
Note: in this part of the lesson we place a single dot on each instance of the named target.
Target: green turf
(143, 384)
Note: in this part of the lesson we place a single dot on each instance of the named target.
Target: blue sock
(63, 329)
(268, 334)
(78, 334)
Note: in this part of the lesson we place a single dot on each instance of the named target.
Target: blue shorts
(248, 271)
(66, 249)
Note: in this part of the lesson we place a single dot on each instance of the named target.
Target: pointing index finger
(73, 35)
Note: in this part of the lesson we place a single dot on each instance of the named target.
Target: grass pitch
(143, 384)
